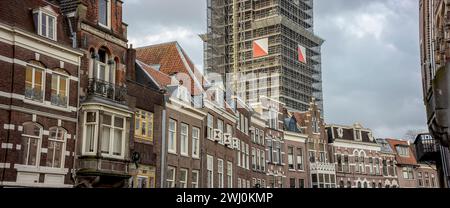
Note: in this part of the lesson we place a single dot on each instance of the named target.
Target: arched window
(359, 185)
(349, 184)
(35, 81)
(31, 139)
(365, 185)
(56, 147)
(105, 68)
(374, 185)
(380, 185)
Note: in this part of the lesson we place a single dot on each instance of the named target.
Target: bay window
(172, 139)
(56, 148)
(31, 141)
(184, 140)
(143, 125)
(60, 88)
(196, 142)
(112, 135)
(34, 83)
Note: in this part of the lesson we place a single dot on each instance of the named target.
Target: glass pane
(50, 25)
(50, 153)
(106, 135)
(90, 138)
(118, 122)
(33, 152)
(44, 25)
(29, 77)
(62, 86)
(54, 84)
(24, 152)
(117, 150)
(31, 130)
(102, 12)
(107, 120)
(58, 155)
(38, 80)
(91, 117)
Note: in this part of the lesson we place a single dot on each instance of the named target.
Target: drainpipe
(163, 148)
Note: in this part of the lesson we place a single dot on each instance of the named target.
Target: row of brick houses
(79, 107)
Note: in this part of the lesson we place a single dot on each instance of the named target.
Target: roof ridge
(156, 45)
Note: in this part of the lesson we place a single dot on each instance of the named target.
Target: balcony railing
(427, 148)
(107, 90)
(34, 94)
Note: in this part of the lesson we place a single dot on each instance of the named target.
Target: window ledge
(35, 169)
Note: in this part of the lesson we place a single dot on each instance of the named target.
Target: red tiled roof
(300, 117)
(161, 79)
(411, 160)
(170, 58)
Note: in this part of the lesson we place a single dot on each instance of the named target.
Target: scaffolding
(233, 26)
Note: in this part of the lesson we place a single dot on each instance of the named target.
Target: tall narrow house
(104, 111)
(265, 48)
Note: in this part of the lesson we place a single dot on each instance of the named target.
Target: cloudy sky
(371, 70)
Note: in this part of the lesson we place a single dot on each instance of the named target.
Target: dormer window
(45, 22)
(358, 135)
(403, 150)
(183, 94)
(104, 13)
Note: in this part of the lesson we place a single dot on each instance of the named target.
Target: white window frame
(108, 14)
(183, 172)
(196, 142)
(48, 14)
(63, 147)
(172, 142)
(96, 129)
(38, 148)
(220, 173)
(172, 178)
(184, 140)
(194, 182)
(210, 126)
(229, 174)
(210, 171)
(33, 80)
(58, 87)
(112, 142)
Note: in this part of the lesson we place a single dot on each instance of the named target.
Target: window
(253, 158)
(31, 139)
(299, 159)
(183, 178)
(229, 175)
(420, 179)
(45, 23)
(113, 136)
(243, 165)
(90, 120)
(242, 122)
(339, 163)
(408, 173)
(196, 142)
(291, 159)
(312, 156)
(184, 140)
(276, 153)
(346, 164)
(433, 181)
(220, 173)
(56, 148)
(239, 183)
(34, 83)
(230, 129)
(322, 157)
(60, 89)
(142, 182)
(220, 126)
(172, 144)
(403, 151)
(144, 125)
(104, 7)
(292, 182)
(246, 125)
(315, 125)
(195, 175)
(358, 136)
(247, 156)
(273, 118)
(301, 183)
(263, 182)
(210, 171)
(270, 150)
(259, 153)
(263, 160)
(104, 73)
(171, 172)
(210, 127)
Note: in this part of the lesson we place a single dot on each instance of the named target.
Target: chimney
(131, 63)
